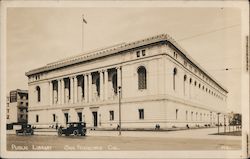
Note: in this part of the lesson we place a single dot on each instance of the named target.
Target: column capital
(118, 67)
(100, 71)
(59, 79)
(72, 76)
(88, 73)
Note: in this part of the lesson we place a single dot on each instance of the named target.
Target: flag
(84, 21)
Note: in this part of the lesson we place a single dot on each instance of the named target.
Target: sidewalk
(192, 133)
(204, 133)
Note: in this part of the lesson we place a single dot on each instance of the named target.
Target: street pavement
(194, 139)
(115, 143)
(205, 133)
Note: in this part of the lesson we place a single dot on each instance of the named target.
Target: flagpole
(83, 21)
(82, 33)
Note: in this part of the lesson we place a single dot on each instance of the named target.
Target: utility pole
(83, 21)
(120, 126)
(218, 123)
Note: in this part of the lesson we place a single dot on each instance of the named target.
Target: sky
(211, 36)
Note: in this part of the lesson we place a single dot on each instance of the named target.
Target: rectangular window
(37, 118)
(111, 115)
(176, 114)
(8, 117)
(185, 63)
(141, 113)
(138, 53)
(54, 117)
(13, 96)
(143, 52)
(186, 115)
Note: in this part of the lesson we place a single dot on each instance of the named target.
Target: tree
(236, 119)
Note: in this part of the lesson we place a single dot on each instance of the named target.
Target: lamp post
(218, 123)
(120, 126)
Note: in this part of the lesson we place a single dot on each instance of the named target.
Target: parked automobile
(75, 128)
(26, 129)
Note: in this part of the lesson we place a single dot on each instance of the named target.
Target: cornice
(91, 55)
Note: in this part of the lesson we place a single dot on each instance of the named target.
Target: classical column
(50, 93)
(106, 84)
(90, 87)
(75, 89)
(85, 88)
(59, 91)
(62, 93)
(71, 90)
(101, 84)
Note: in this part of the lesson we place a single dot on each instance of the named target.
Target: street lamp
(120, 126)
(218, 123)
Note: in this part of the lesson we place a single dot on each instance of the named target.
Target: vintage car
(75, 128)
(26, 129)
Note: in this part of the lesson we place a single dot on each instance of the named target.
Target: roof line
(90, 55)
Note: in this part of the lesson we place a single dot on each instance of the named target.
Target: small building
(160, 84)
(17, 107)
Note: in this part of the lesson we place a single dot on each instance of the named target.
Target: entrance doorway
(79, 116)
(66, 117)
(95, 118)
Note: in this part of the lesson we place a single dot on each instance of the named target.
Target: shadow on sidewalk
(234, 133)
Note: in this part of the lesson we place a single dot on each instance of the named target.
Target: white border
(243, 5)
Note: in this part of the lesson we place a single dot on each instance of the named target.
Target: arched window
(176, 114)
(190, 80)
(142, 77)
(184, 79)
(174, 74)
(38, 90)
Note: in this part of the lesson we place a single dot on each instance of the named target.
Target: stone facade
(160, 84)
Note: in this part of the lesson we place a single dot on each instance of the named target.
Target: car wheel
(75, 132)
(59, 132)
